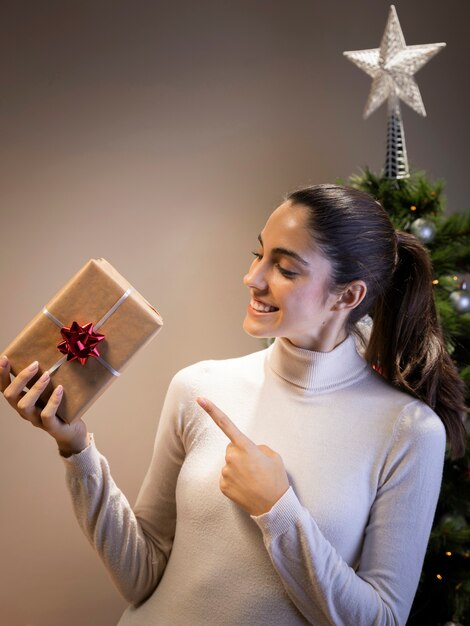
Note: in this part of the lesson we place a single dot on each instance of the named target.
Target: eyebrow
(286, 252)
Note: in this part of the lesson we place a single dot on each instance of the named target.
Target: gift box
(85, 336)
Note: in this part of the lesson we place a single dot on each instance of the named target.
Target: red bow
(79, 342)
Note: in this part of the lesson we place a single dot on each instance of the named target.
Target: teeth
(262, 307)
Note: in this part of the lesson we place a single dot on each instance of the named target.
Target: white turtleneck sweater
(343, 546)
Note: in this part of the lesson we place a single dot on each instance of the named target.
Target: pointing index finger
(225, 424)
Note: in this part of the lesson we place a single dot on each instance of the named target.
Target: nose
(256, 276)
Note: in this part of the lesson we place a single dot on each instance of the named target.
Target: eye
(283, 271)
(286, 273)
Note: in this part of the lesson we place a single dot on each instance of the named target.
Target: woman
(328, 520)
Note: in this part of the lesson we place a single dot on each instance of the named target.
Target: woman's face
(288, 282)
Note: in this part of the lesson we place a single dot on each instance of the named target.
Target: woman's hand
(253, 476)
(71, 438)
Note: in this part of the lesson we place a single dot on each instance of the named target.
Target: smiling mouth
(260, 307)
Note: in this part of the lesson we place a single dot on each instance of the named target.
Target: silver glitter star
(392, 67)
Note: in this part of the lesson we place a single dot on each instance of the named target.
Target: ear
(351, 296)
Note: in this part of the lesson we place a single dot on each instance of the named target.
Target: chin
(259, 333)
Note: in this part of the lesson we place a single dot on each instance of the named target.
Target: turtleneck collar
(317, 372)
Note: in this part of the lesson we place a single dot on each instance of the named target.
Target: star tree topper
(392, 67)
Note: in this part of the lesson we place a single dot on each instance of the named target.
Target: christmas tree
(416, 204)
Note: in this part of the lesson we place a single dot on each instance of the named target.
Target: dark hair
(354, 232)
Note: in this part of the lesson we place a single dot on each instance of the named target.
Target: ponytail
(407, 344)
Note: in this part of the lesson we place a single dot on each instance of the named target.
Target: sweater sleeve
(381, 591)
(134, 545)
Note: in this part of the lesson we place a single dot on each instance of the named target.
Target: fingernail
(3, 361)
(33, 366)
(59, 389)
(44, 377)
(202, 402)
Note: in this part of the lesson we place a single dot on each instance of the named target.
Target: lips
(262, 307)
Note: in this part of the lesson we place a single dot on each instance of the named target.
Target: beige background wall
(160, 135)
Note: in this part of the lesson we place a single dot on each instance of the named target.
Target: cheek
(305, 302)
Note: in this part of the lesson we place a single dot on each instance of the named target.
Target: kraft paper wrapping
(87, 297)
